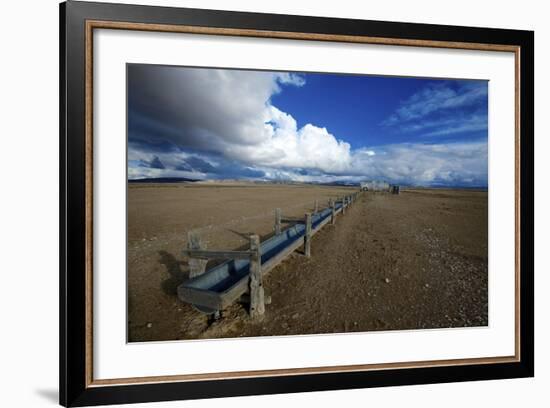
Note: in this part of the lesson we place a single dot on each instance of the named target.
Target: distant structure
(379, 186)
(375, 186)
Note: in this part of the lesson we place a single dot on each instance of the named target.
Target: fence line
(236, 221)
(213, 290)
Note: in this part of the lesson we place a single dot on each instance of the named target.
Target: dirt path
(387, 264)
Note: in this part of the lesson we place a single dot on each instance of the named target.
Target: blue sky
(217, 124)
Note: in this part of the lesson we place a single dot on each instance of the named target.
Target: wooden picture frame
(78, 20)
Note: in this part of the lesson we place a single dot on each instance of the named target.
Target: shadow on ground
(175, 271)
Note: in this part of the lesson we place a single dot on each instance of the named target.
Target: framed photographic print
(256, 203)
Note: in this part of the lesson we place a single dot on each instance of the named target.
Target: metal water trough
(225, 283)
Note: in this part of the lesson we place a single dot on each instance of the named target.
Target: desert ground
(417, 260)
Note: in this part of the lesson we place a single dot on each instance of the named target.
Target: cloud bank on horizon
(206, 123)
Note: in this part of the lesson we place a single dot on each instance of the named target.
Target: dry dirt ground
(409, 261)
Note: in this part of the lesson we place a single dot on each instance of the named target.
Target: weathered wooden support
(196, 266)
(316, 207)
(214, 317)
(277, 221)
(307, 236)
(257, 305)
(245, 298)
(333, 214)
(344, 206)
(203, 254)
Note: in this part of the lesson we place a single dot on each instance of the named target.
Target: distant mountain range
(334, 183)
(162, 180)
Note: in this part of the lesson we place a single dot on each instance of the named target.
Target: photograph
(275, 203)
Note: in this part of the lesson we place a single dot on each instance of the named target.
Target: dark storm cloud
(157, 146)
(237, 171)
(154, 163)
(222, 169)
(198, 164)
(199, 108)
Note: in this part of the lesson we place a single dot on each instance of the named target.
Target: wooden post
(196, 266)
(343, 205)
(277, 221)
(307, 237)
(257, 305)
(333, 215)
(316, 207)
